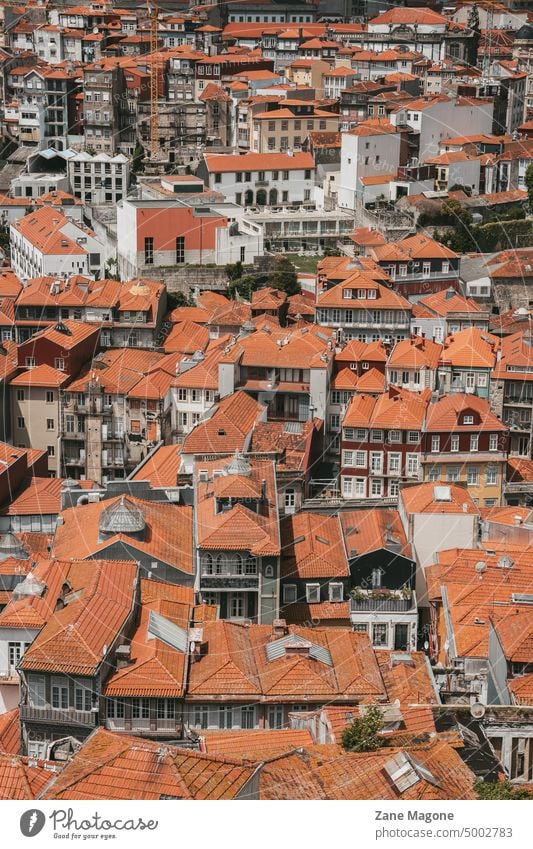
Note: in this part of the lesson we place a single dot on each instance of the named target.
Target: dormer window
(347, 293)
(361, 294)
(312, 593)
(372, 294)
(468, 420)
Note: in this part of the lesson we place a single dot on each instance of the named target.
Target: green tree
(242, 286)
(529, 185)
(284, 276)
(234, 270)
(500, 790)
(178, 299)
(363, 734)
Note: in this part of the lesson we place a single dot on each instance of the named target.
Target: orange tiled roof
(397, 408)
(416, 352)
(447, 301)
(418, 246)
(226, 430)
(42, 375)
(312, 546)
(187, 338)
(470, 348)
(161, 468)
(10, 740)
(421, 498)
(328, 772)
(74, 639)
(366, 531)
(239, 528)
(223, 163)
(167, 535)
(22, 778)
(237, 666)
(253, 745)
(39, 496)
(115, 766)
(444, 414)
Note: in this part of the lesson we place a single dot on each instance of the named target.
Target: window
(248, 716)
(50, 424)
(166, 709)
(82, 696)
(361, 628)
(434, 473)
(491, 478)
(290, 499)
(474, 441)
(394, 463)
(49, 397)
(59, 363)
(413, 436)
(140, 708)
(376, 462)
(20, 422)
(493, 442)
(312, 593)
(275, 716)
(51, 451)
(412, 464)
(376, 436)
(454, 442)
(336, 592)
(149, 250)
(435, 444)
(180, 250)
(237, 606)
(20, 394)
(452, 474)
(376, 488)
(60, 694)
(29, 362)
(395, 436)
(289, 593)
(347, 458)
(380, 635)
(472, 475)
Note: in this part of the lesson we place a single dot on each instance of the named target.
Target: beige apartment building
(287, 128)
(35, 412)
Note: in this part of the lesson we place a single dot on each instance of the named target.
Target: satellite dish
(477, 710)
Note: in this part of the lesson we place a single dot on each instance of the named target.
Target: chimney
(517, 520)
(279, 629)
(123, 656)
(263, 490)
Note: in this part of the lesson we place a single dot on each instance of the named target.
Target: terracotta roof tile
(74, 640)
(312, 546)
(112, 766)
(167, 535)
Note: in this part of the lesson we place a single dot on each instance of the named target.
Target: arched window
(248, 198)
(273, 197)
(208, 565)
(220, 564)
(261, 197)
(269, 571)
(238, 564)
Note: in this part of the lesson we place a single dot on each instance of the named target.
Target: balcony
(146, 726)
(382, 601)
(54, 716)
(229, 582)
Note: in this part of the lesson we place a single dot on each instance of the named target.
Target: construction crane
(154, 79)
(487, 58)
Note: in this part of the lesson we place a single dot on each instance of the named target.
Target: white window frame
(290, 593)
(311, 593)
